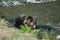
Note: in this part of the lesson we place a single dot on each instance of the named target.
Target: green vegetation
(25, 28)
(11, 33)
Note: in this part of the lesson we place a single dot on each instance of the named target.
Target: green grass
(43, 11)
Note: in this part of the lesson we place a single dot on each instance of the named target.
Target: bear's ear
(29, 17)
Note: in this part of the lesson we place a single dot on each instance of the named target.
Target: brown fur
(21, 20)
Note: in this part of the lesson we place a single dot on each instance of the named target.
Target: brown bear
(25, 19)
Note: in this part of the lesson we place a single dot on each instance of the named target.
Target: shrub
(25, 28)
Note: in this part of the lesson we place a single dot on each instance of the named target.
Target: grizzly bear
(25, 19)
